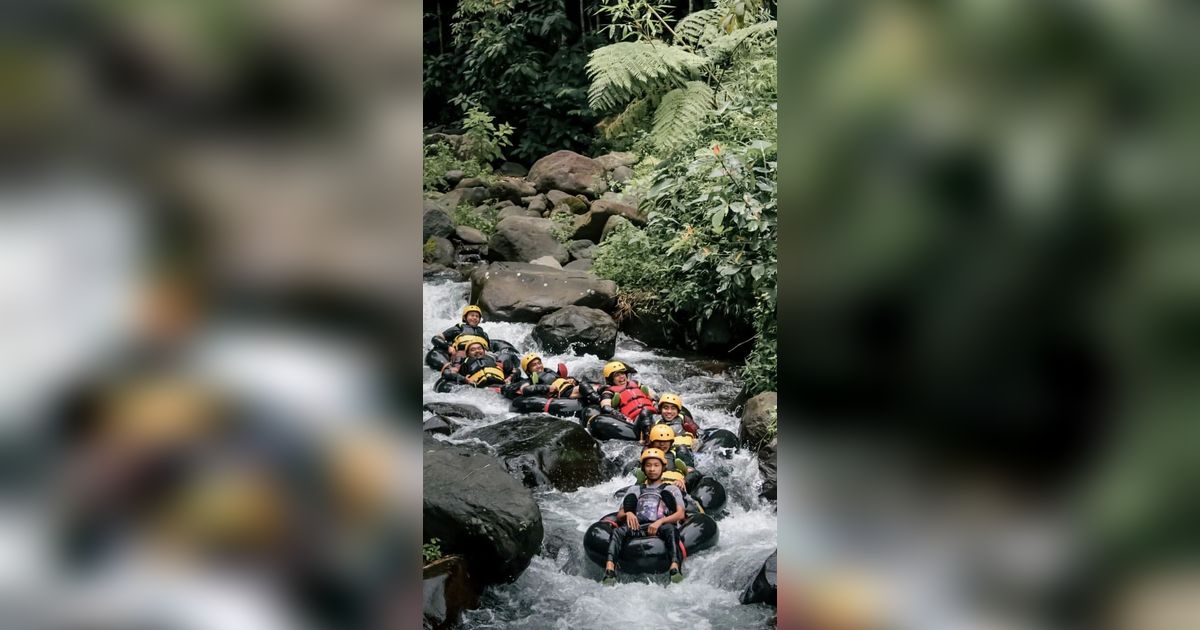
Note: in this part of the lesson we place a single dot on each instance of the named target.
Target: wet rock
(490, 519)
(512, 169)
(569, 172)
(546, 261)
(525, 293)
(442, 252)
(581, 249)
(454, 410)
(578, 328)
(617, 159)
(758, 415)
(583, 264)
(544, 450)
(435, 222)
(447, 590)
(470, 235)
(768, 469)
(762, 587)
(523, 239)
(440, 424)
(440, 272)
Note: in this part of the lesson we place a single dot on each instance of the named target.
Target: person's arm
(674, 517)
(626, 512)
(606, 400)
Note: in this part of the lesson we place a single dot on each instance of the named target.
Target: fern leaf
(624, 71)
(698, 29)
(681, 114)
(722, 47)
(628, 121)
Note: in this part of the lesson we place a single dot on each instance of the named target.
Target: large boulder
(435, 222)
(447, 590)
(517, 211)
(522, 239)
(440, 424)
(759, 414)
(440, 272)
(613, 224)
(512, 189)
(488, 518)
(621, 174)
(569, 172)
(544, 450)
(470, 182)
(611, 161)
(512, 169)
(537, 203)
(441, 253)
(521, 292)
(453, 176)
(447, 202)
(470, 236)
(763, 586)
(583, 264)
(579, 328)
(546, 261)
(474, 195)
(577, 205)
(582, 248)
(590, 225)
(768, 468)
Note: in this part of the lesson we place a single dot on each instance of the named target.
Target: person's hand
(631, 521)
(681, 484)
(653, 529)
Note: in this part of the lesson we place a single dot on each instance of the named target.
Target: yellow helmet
(662, 432)
(466, 341)
(613, 367)
(671, 399)
(471, 308)
(527, 359)
(655, 454)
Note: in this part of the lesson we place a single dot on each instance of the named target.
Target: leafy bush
(439, 158)
(482, 138)
(564, 226)
(428, 250)
(484, 218)
(431, 550)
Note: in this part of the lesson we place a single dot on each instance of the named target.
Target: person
(650, 508)
(662, 437)
(670, 408)
(633, 400)
(537, 380)
(472, 316)
(477, 368)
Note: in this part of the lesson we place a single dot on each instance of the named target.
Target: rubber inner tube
(649, 554)
(609, 427)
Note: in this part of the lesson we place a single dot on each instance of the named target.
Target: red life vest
(631, 400)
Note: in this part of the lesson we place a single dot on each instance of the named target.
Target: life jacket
(631, 400)
(482, 371)
(544, 377)
(466, 329)
(670, 472)
(561, 387)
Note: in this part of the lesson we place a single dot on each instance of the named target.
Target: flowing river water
(561, 588)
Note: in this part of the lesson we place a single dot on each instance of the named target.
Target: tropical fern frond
(698, 29)
(681, 114)
(723, 47)
(624, 71)
(629, 120)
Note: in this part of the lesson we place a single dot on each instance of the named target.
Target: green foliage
(643, 19)
(627, 70)
(681, 114)
(698, 29)
(431, 550)
(484, 218)
(564, 226)
(428, 249)
(440, 157)
(482, 138)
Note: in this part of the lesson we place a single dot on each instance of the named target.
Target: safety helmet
(466, 341)
(662, 432)
(612, 367)
(472, 308)
(670, 399)
(655, 454)
(527, 359)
